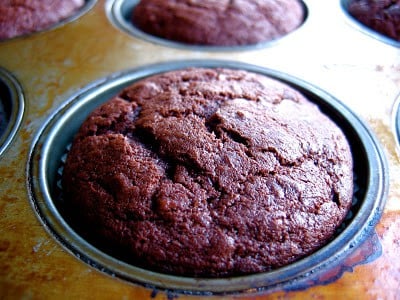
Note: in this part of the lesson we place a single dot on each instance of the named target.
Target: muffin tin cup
(79, 13)
(12, 107)
(49, 148)
(365, 29)
(119, 13)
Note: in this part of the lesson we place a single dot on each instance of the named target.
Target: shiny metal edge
(350, 238)
(116, 11)
(395, 122)
(344, 4)
(17, 103)
(89, 4)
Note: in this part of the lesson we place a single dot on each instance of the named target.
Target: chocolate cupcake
(20, 17)
(210, 173)
(381, 16)
(218, 23)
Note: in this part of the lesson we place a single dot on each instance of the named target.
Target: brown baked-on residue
(19, 17)
(209, 172)
(381, 16)
(218, 23)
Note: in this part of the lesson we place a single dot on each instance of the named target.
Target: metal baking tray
(12, 107)
(48, 150)
(119, 12)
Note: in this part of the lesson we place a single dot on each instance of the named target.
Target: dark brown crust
(382, 16)
(210, 172)
(222, 23)
(19, 17)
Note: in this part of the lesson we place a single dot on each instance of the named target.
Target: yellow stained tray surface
(51, 66)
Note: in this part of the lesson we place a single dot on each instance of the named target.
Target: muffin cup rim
(395, 121)
(17, 102)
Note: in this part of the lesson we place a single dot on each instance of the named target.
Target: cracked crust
(221, 23)
(18, 17)
(209, 172)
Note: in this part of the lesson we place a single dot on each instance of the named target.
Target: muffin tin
(11, 108)
(119, 13)
(354, 78)
(47, 154)
(365, 29)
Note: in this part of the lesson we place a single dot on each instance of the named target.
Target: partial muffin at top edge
(20, 17)
(218, 23)
(209, 172)
(381, 16)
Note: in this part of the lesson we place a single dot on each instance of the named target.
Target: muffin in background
(208, 172)
(381, 16)
(20, 17)
(218, 23)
